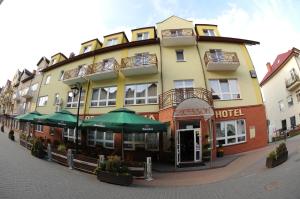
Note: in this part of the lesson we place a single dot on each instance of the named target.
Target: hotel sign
(229, 113)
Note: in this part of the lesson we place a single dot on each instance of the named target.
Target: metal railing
(223, 57)
(173, 33)
(139, 61)
(290, 81)
(174, 97)
(104, 66)
(75, 72)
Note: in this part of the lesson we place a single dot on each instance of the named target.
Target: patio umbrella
(125, 121)
(28, 117)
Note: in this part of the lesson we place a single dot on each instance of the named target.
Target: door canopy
(194, 107)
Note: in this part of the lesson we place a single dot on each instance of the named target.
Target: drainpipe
(38, 92)
(202, 65)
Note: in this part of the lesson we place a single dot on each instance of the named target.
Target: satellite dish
(72, 55)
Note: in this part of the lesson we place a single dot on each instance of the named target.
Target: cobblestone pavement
(24, 176)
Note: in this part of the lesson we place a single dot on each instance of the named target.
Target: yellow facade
(93, 44)
(201, 27)
(150, 31)
(120, 37)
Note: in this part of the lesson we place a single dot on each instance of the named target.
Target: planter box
(113, 178)
(270, 163)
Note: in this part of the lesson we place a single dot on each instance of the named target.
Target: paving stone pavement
(24, 176)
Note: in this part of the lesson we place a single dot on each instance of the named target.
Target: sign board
(252, 132)
(236, 112)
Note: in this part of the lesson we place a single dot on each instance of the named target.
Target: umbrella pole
(122, 141)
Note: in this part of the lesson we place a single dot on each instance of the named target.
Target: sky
(34, 28)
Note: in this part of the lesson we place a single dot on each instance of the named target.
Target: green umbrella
(28, 117)
(62, 119)
(125, 121)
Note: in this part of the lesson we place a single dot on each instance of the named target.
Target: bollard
(49, 152)
(101, 160)
(70, 158)
(149, 169)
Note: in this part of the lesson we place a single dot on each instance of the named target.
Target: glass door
(178, 147)
(197, 145)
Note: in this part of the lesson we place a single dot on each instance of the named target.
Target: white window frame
(73, 103)
(48, 79)
(142, 36)
(92, 138)
(112, 41)
(34, 87)
(290, 101)
(107, 100)
(281, 105)
(146, 98)
(61, 75)
(39, 128)
(236, 136)
(184, 83)
(183, 57)
(70, 138)
(232, 94)
(87, 48)
(45, 100)
(134, 143)
(209, 32)
(298, 95)
(56, 98)
(53, 61)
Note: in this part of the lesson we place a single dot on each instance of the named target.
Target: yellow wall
(59, 57)
(151, 32)
(200, 29)
(94, 45)
(120, 37)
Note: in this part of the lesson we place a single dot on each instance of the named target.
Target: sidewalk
(254, 159)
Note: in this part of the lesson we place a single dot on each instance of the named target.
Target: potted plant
(220, 151)
(11, 135)
(37, 148)
(114, 171)
(277, 156)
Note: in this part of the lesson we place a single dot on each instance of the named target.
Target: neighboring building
(281, 90)
(6, 103)
(201, 84)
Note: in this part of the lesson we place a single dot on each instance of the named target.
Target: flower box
(115, 178)
(281, 158)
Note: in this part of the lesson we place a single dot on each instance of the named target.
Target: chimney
(269, 67)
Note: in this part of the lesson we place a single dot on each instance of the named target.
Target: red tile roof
(279, 62)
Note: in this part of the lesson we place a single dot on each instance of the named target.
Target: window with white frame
(281, 105)
(48, 78)
(97, 137)
(70, 134)
(61, 75)
(112, 42)
(179, 55)
(42, 101)
(39, 128)
(290, 100)
(141, 59)
(142, 36)
(141, 94)
(87, 48)
(231, 132)
(56, 98)
(298, 95)
(209, 32)
(82, 70)
(225, 89)
(72, 102)
(108, 64)
(189, 83)
(53, 61)
(34, 87)
(148, 141)
(104, 97)
(217, 55)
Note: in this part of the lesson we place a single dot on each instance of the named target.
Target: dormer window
(112, 42)
(209, 32)
(142, 36)
(53, 61)
(87, 48)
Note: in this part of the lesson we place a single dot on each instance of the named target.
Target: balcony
(178, 37)
(28, 94)
(139, 65)
(16, 97)
(102, 70)
(221, 61)
(292, 83)
(75, 75)
(174, 97)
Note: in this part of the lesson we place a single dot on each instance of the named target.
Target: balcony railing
(75, 75)
(102, 70)
(221, 60)
(139, 65)
(177, 37)
(28, 94)
(174, 97)
(292, 82)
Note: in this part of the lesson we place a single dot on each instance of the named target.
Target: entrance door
(198, 145)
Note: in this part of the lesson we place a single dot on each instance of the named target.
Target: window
(217, 55)
(141, 94)
(53, 61)
(61, 75)
(72, 101)
(184, 83)
(56, 99)
(48, 78)
(293, 74)
(281, 105)
(209, 32)
(34, 87)
(141, 59)
(176, 33)
(87, 48)
(148, 141)
(293, 122)
(298, 95)
(179, 55)
(97, 137)
(112, 42)
(104, 97)
(290, 101)
(70, 134)
(142, 36)
(39, 128)
(42, 101)
(82, 70)
(225, 89)
(108, 64)
(231, 132)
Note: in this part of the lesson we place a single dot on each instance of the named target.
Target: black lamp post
(77, 89)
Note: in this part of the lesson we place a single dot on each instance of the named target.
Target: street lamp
(77, 89)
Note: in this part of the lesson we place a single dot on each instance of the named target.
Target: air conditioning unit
(59, 101)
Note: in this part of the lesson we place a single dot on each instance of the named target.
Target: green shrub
(37, 148)
(23, 136)
(61, 148)
(113, 165)
(272, 155)
(281, 148)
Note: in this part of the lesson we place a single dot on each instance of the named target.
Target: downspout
(202, 64)
(38, 93)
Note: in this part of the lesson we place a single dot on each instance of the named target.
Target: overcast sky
(30, 29)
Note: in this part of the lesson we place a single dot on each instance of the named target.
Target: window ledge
(139, 104)
(180, 60)
(227, 99)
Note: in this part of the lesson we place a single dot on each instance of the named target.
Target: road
(24, 176)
